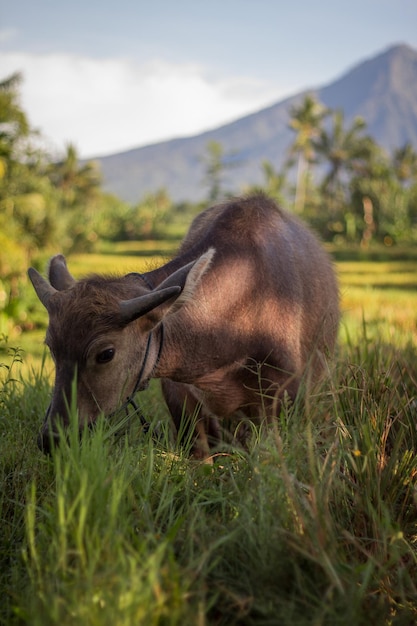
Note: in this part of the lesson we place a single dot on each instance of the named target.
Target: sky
(110, 76)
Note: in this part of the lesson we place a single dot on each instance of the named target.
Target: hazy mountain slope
(383, 90)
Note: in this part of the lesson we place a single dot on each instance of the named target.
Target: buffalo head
(104, 333)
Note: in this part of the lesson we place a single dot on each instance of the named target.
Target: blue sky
(109, 76)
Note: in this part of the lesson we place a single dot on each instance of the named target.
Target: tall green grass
(314, 523)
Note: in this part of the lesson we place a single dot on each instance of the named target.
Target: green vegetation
(345, 186)
(315, 522)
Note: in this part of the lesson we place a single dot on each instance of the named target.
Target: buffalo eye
(105, 356)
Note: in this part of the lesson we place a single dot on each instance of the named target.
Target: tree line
(335, 175)
(360, 192)
(339, 179)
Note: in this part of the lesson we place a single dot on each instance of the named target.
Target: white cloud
(105, 106)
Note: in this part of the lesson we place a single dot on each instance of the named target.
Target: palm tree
(346, 150)
(358, 167)
(26, 221)
(216, 162)
(14, 125)
(306, 120)
(13, 121)
(79, 184)
(405, 164)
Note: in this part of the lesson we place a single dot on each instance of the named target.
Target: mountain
(382, 90)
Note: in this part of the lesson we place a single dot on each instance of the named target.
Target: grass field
(384, 292)
(316, 523)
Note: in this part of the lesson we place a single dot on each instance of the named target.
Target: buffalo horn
(59, 276)
(132, 309)
(43, 289)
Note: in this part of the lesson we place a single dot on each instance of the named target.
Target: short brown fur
(248, 322)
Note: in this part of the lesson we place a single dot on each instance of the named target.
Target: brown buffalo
(249, 303)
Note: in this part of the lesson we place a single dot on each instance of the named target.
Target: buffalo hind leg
(190, 419)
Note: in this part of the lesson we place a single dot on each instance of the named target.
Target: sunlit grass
(314, 523)
(81, 265)
(122, 257)
(384, 293)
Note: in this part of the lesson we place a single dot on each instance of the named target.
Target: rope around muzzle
(141, 383)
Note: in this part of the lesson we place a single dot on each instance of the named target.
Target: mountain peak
(382, 90)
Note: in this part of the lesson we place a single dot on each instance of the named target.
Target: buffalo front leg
(191, 421)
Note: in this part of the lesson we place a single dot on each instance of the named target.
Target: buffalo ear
(188, 276)
(194, 275)
(59, 276)
(43, 289)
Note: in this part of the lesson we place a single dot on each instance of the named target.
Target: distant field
(381, 292)
(123, 257)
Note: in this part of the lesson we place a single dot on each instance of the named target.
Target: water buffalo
(249, 303)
